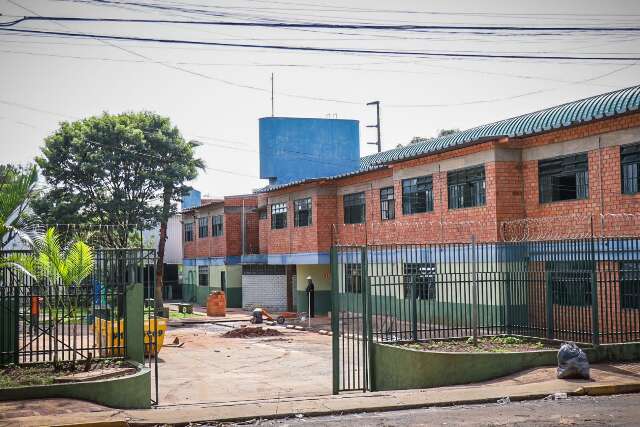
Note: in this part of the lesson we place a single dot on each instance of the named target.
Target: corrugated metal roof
(581, 111)
(572, 113)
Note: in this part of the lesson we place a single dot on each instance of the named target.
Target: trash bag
(572, 362)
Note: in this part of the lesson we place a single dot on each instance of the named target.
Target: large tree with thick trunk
(123, 171)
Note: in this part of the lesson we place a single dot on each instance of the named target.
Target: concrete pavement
(532, 384)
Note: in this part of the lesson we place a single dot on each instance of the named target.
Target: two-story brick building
(213, 245)
(580, 158)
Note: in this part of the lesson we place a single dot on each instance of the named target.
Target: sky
(216, 95)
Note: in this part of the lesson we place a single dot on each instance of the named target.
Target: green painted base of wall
(8, 328)
(131, 392)
(322, 302)
(202, 293)
(234, 297)
(400, 368)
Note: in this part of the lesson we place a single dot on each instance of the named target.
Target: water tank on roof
(190, 200)
(293, 149)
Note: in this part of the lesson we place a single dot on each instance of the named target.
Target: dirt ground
(211, 368)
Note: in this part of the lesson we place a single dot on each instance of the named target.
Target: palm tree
(16, 187)
(63, 269)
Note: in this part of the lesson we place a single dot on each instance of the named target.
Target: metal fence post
(474, 290)
(507, 302)
(335, 320)
(414, 309)
(549, 304)
(594, 296)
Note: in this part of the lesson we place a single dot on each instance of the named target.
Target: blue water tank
(191, 199)
(293, 148)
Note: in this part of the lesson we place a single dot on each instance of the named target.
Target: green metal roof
(561, 116)
(558, 117)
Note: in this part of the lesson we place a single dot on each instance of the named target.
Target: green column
(335, 320)
(549, 304)
(134, 322)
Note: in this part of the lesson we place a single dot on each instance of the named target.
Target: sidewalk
(532, 384)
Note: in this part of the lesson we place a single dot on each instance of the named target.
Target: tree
(17, 186)
(123, 170)
(445, 132)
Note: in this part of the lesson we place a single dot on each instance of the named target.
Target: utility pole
(377, 125)
(272, 110)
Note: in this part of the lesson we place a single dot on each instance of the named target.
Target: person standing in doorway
(311, 297)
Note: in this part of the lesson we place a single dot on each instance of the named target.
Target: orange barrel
(216, 304)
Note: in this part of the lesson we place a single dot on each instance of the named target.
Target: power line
(329, 50)
(318, 25)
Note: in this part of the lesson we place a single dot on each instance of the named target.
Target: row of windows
(301, 214)
(570, 282)
(567, 177)
(203, 227)
(466, 188)
(560, 178)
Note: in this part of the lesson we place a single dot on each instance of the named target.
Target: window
(262, 213)
(564, 178)
(203, 226)
(216, 225)
(417, 195)
(188, 232)
(302, 212)
(203, 275)
(630, 164)
(279, 215)
(353, 278)
(354, 208)
(424, 277)
(263, 270)
(630, 284)
(466, 188)
(387, 203)
(571, 282)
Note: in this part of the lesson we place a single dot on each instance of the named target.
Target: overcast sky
(216, 94)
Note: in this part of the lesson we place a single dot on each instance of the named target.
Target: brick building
(578, 161)
(213, 245)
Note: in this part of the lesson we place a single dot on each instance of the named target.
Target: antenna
(272, 109)
(377, 125)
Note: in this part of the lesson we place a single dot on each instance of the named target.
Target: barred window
(630, 165)
(279, 215)
(216, 224)
(188, 232)
(417, 195)
(353, 278)
(203, 226)
(466, 187)
(571, 282)
(630, 284)
(387, 203)
(354, 208)
(424, 277)
(203, 275)
(564, 178)
(302, 212)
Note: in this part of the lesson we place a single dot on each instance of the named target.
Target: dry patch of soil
(486, 344)
(252, 332)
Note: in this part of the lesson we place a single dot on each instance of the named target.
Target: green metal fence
(579, 290)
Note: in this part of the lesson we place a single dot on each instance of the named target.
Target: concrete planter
(400, 368)
(129, 392)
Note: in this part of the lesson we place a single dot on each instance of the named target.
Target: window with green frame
(203, 226)
(217, 225)
(387, 203)
(630, 284)
(417, 195)
(188, 232)
(279, 215)
(354, 208)
(353, 278)
(571, 282)
(564, 178)
(466, 187)
(302, 212)
(630, 165)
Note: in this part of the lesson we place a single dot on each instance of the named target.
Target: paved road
(621, 410)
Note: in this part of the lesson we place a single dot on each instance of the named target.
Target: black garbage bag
(572, 362)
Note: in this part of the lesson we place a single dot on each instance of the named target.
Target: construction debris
(252, 332)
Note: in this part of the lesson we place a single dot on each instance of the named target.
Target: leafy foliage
(16, 187)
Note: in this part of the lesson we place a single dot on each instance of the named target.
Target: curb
(604, 390)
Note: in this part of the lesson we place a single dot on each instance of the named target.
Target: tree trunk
(166, 207)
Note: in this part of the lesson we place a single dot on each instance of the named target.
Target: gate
(350, 322)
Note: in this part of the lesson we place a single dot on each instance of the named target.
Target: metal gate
(350, 322)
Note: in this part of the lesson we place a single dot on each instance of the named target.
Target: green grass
(44, 373)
